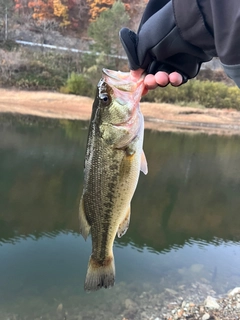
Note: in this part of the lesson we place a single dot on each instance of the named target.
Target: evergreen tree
(105, 29)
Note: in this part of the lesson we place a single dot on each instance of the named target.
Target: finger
(162, 78)
(150, 81)
(136, 74)
(175, 79)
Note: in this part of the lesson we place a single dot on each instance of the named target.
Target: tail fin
(100, 274)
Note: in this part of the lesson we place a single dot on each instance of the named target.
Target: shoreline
(158, 116)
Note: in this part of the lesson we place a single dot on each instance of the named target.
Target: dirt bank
(162, 117)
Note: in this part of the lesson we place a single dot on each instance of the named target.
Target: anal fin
(84, 225)
(123, 226)
(144, 166)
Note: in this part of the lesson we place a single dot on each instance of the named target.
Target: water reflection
(185, 213)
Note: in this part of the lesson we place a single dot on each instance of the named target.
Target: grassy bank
(207, 93)
(78, 74)
(36, 70)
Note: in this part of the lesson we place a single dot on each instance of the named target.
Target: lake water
(185, 222)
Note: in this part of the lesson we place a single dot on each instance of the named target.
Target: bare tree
(23, 13)
(79, 15)
(46, 26)
(82, 8)
(6, 7)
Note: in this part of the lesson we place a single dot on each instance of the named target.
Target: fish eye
(105, 98)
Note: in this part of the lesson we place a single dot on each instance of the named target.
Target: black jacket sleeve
(212, 25)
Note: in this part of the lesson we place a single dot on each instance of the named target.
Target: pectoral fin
(144, 166)
(123, 226)
(84, 225)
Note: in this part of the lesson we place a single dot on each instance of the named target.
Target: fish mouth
(122, 80)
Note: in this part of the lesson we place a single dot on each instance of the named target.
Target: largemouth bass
(113, 160)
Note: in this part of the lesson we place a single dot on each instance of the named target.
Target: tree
(107, 47)
(21, 7)
(5, 8)
(49, 10)
(98, 6)
(135, 10)
(42, 9)
(78, 14)
(60, 10)
(104, 30)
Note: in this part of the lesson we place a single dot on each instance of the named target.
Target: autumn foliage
(47, 10)
(41, 9)
(75, 14)
(98, 6)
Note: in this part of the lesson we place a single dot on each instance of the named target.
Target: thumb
(136, 74)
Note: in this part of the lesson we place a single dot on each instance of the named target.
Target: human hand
(161, 79)
(159, 50)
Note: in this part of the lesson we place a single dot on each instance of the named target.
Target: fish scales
(105, 191)
(112, 165)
